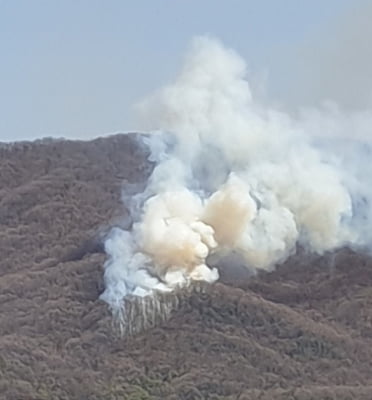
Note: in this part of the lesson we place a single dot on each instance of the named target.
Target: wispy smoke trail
(233, 177)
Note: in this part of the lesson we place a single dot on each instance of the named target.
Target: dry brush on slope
(301, 332)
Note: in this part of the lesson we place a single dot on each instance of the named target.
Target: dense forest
(303, 331)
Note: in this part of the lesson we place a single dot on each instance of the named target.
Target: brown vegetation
(301, 332)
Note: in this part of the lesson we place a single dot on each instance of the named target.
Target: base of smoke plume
(138, 314)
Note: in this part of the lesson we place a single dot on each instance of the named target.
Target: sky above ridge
(75, 68)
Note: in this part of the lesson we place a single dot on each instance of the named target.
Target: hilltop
(303, 331)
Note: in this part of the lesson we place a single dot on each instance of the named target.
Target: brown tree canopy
(301, 332)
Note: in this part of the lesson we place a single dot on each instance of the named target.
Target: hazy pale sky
(74, 68)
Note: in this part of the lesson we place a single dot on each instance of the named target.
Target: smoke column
(233, 176)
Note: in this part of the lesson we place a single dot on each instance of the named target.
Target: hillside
(301, 332)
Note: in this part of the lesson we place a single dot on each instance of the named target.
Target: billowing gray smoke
(234, 176)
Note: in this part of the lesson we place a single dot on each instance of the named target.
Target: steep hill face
(303, 331)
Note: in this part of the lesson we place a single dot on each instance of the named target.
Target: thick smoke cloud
(234, 177)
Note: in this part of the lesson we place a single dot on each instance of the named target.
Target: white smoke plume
(233, 176)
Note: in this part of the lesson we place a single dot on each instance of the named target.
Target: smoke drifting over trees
(273, 210)
(235, 176)
(299, 332)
